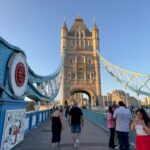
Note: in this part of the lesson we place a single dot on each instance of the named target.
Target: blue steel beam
(6, 51)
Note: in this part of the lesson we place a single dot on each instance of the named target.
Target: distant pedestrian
(141, 124)
(67, 111)
(115, 106)
(111, 126)
(75, 121)
(52, 110)
(132, 110)
(123, 117)
(57, 125)
(61, 110)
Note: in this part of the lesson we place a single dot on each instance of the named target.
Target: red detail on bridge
(20, 74)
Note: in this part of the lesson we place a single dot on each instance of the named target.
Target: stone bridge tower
(81, 69)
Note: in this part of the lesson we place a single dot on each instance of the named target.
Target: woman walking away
(57, 125)
(141, 124)
(111, 126)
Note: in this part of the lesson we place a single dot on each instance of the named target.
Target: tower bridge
(79, 71)
(81, 63)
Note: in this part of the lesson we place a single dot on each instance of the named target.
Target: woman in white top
(141, 124)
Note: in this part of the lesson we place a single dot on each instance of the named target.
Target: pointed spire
(94, 21)
(78, 17)
(65, 19)
(64, 24)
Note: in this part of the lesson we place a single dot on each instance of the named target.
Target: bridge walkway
(92, 138)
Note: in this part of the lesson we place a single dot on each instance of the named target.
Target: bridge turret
(64, 32)
(95, 36)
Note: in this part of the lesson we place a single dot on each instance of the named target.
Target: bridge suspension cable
(44, 87)
(137, 82)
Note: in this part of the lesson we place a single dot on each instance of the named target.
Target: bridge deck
(92, 138)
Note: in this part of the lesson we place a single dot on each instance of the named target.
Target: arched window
(88, 76)
(80, 59)
(82, 34)
(89, 61)
(80, 75)
(70, 61)
(69, 76)
(78, 34)
(88, 43)
(93, 76)
(82, 45)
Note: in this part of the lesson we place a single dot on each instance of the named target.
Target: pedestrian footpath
(92, 138)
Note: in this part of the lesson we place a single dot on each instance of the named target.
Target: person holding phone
(141, 123)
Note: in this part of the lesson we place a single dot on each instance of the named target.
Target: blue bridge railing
(100, 119)
(35, 118)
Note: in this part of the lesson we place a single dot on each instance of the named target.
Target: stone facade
(119, 95)
(81, 69)
(146, 101)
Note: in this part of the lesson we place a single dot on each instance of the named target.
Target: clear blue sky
(34, 26)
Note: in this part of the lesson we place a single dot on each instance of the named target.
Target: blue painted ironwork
(34, 88)
(45, 114)
(134, 81)
(32, 91)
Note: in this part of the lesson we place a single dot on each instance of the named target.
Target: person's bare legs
(77, 138)
(78, 135)
(53, 146)
(74, 139)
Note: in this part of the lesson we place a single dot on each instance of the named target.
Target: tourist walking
(61, 110)
(123, 117)
(67, 111)
(75, 121)
(111, 126)
(57, 125)
(141, 124)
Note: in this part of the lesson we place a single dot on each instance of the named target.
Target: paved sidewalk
(92, 138)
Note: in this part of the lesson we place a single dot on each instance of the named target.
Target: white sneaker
(117, 147)
(132, 144)
(77, 142)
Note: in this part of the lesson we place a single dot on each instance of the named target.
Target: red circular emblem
(20, 74)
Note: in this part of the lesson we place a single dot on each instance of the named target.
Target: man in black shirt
(75, 121)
